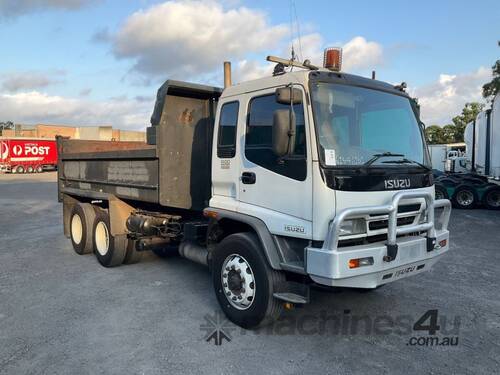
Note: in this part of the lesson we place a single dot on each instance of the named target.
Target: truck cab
(351, 201)
(311, 176)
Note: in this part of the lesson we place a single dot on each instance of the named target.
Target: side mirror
(283, 132)
(288, 95)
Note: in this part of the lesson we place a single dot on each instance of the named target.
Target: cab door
(278, 190)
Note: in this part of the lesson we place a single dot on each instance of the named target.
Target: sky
(100, 62)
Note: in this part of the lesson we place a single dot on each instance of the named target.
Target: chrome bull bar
(332, 239)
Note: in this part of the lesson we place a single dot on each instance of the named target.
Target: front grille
(371, 239)
(405, 208)
(384, 224)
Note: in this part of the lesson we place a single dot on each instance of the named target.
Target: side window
(226, 143)
(258, 140)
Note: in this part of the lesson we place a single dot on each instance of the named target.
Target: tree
(469, 114)
(492, 88)
(6, 125)
(450, 133)
(434, 134)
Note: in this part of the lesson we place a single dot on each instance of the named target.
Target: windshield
(360, 126)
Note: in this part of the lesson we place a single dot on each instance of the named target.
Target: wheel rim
(238, 282)
(30, 169)
(493, 199)
(465, 198)
(439, 194)
(101, 238)
(76, 229)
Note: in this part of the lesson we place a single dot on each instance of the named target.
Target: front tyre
(244, 282)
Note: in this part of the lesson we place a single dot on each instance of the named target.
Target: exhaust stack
(227, 74)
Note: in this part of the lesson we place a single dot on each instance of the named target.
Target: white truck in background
(310, 176)
(482, 139)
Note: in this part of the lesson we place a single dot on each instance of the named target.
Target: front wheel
(244, 282)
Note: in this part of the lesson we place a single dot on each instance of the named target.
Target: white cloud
(192, 37)
(13, 82)
(358, 55)
(36, 107)
(440, 101)
(14, 8)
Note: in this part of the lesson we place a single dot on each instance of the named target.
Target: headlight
(352, 226)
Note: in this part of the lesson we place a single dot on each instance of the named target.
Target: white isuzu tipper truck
(310, 176)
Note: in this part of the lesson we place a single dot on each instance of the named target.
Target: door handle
(248, 178)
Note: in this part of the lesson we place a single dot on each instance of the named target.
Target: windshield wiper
(409, 161)
(382, 155)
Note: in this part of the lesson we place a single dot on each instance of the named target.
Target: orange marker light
(353, 263)
(360, 262)
(332, 59)
(211, 214)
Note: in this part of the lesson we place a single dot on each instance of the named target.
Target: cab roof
(303, 77)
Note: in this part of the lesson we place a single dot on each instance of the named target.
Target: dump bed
(172, 169)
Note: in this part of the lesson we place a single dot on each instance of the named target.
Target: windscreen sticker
(330, 157)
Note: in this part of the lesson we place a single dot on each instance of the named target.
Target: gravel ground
(64, 313)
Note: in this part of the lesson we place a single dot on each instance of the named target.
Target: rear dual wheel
(80, 227)
(109, 250)
(491, 198)
(18, 169)
(90, 232)
(465, 197)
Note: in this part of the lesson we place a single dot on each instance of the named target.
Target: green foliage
(452, 133)
(434, 134)
(469, 114)
(6, 125)
(492, 88)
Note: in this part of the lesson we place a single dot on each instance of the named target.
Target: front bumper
(397, 258)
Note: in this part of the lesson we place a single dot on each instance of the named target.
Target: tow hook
(431, 244)
(392, 252)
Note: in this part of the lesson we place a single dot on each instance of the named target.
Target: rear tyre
(30, 169)
(80, 227)
(18, 169)
(491, 198)
(244, 282)
(441, 192)
(132, 255)
(39, 169)
(465, 197)
(109, 250)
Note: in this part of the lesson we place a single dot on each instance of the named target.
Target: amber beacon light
(332, 58)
